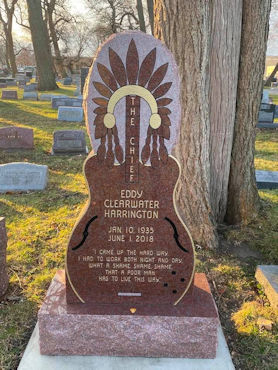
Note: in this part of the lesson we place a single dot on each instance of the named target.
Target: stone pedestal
(3, 268)
(188, 330)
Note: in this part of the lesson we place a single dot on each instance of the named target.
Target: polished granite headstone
(67, 81)
(30, 95)
(4, 280)
(266, 113)
(130, 288)
(16, 138)
(69, 142)
(70, 114)
(3, 85)
(57, 102)
(31, 87)
(267, 179)
(9, 94)
(22, 176)
(267, 276)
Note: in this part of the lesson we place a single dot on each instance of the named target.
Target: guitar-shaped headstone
(130, 246)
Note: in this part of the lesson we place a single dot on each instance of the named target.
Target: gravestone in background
(46, 97)
(57, 102)
(130, 286)
(69, 142)
(265, 96)
(70, 114)
(3, 85)
(16, 138)
(22, 176)
(31, 87)
(11, 82)
(30, 95)
(4, 280)
(267, 276)
(267, 179)
(67, 81)
(83, 76)
(266, 113)
(9, 94)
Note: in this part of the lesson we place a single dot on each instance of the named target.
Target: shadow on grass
(267, 154)
(47, 200)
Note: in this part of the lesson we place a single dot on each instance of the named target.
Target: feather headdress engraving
(132, 79)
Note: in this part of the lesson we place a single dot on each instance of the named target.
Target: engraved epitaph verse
(129, 244)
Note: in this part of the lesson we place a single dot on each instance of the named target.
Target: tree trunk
(41, 47)
(184, 27)
(226, 18)
(273, 73)
(243, 197)
(141, 16)
(59, 60)
(150, 12)
(11, 54)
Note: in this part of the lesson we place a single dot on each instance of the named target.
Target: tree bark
(141, 16)
(273, 73)
(184, 27)
(50, 7)
(243, 200)
(7, 24)
(226, 18)
(150, 12)
(41, 47)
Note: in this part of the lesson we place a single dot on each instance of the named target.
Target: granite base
(33, 360)
(161, 335)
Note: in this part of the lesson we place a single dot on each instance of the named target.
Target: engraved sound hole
(165, 284)
(174, 291)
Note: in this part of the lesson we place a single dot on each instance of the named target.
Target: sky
(78, 6)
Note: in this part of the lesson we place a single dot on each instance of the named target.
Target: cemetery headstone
(69, 142)
(83, 76)
(70, 114)
(130, 258)
(4, 280)
(57, 102)
(31, 87)
(67, 81)
(9, 94)
(267, 179)
(3, 85)
(29, 74)
(16, 138)
(11, 82)
(266, 113)
(46, 97)
(22, 176)
(30, 95)
(265, 96)
(267, 276)
(3, 80)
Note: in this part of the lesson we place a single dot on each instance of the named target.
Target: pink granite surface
(63, 333)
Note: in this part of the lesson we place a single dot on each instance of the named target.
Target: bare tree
(226, 18)
(113, 16)
(57, 17)
(7, 9)
(174, 21)
(243, 199)
(141, 17)
(216, 40)
(150, 13)
(41, 46)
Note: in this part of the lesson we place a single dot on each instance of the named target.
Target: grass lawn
(39, 225)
